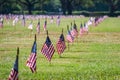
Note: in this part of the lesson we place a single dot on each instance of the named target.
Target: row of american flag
(48, 48)
(6, 19)
(74, 32)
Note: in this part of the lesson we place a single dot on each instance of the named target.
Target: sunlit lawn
(95, 56)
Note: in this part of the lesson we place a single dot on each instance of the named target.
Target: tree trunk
(29, 9)
(64, 12)
(69, 11)
(112, 10)
(63, 4)
(64, 9)
(69, 7)
(42, 8)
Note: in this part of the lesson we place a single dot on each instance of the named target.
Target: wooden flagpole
(18, 59)
(35, 37)
(31, 31)
(77, 38)
(47, 36)
(39, 26)
(47, 32)
(71, 24)
(36, 51)
(62, 30)
(60, 54)
(77, 33)
(68, 41)
(17, 51)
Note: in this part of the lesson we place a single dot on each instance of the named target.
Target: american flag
(69, 37)
(14, 72)
(1, 22)
(48, 49)
(89, 22)
(73, 32)
(96, 21)
(38, 28)
(81, 29)
(45, 25)
(85, 28)
(31, 62)
(58, 20)
(61, 44)
(23, 21)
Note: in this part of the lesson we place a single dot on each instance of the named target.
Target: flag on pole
(23, 20)
(89, 22)
(31, 62)
(15, 20)
(85, 27)
(81, 29)
(58, 20)
(30, 26)
(51, 21)
(96, 21)
(45, 24)
(75, 30)
(14, 72)
(38, 27)
(69, 37)
(48, 49)
(61, 44)
(72, 32)
(1, 22)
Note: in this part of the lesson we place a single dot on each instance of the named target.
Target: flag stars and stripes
(31, 62)
(14, 72)
(61, 44)
(69, 37)
(48, 49)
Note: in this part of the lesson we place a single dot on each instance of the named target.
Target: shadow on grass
(69, 57)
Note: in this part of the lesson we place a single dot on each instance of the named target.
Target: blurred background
(64, 7)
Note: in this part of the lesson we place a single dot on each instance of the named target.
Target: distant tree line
(65, 6)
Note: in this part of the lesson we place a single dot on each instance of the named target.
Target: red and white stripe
(48, 51)
(70, 38)
(13, 75)
(31, 62)
(60, 46)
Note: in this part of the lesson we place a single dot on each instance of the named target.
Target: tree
(113, 5)
(63, 5)
(2, 2)
(29, 4)
(69, 5)
(1, 5)
(6, 6)
(41, 3)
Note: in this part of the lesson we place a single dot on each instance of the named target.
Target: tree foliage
(70, 5)
(29, 4)
(112, 4)
(67, 6)
(6, 7)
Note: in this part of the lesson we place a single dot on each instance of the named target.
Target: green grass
(95, 56)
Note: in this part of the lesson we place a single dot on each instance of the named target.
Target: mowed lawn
(95, 56)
